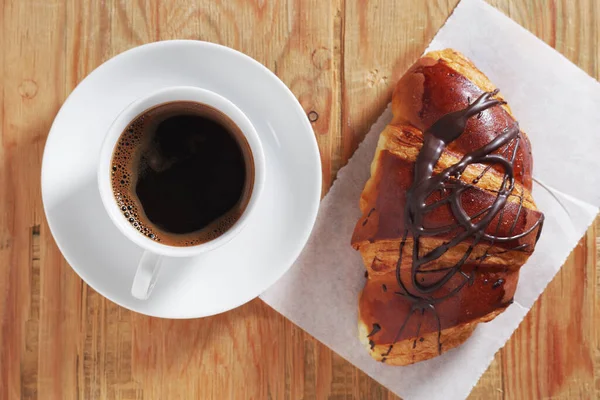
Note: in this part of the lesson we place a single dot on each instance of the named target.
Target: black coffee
(182, 173)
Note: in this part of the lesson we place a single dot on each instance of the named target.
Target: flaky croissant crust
(398, 322)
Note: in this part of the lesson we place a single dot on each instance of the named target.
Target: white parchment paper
(558, 105)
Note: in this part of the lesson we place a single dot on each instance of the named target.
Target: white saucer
(224, 278)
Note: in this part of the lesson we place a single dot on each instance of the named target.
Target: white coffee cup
(149, 264)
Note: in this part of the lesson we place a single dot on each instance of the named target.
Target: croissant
(447, 215)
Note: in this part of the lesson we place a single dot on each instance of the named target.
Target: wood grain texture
(61, 340)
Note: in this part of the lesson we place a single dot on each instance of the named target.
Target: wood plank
(33, 85)
(382, 39)
(560, 23)
(552, 353)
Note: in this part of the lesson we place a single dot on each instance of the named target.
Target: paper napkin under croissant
(558, 105)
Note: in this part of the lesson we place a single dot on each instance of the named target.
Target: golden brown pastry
(448, 217)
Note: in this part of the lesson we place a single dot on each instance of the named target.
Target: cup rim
(156, 98)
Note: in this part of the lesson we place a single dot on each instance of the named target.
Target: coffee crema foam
(126, 168)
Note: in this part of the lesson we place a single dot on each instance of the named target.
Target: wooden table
(61, 340)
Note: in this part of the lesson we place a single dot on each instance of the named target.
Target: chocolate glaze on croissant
(448, 217)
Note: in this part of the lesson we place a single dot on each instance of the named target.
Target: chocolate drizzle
(498, 283)
(376, 328)
(476, 228)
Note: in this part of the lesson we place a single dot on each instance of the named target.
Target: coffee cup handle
(146, 275)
